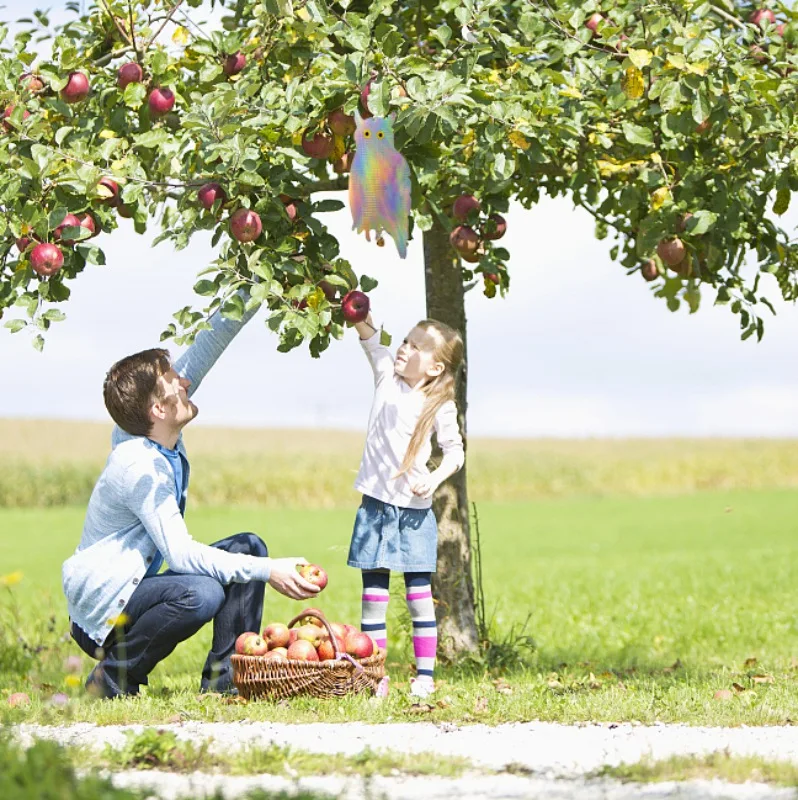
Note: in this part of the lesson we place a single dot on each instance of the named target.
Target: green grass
(715, 766)
(641, 610)
(160, 749)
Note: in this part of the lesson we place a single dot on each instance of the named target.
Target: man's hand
(425, 487)
(286, 580)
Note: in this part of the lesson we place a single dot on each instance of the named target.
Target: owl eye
(380, 135)
(367, 134)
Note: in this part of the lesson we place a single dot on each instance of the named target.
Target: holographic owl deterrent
(379, 182)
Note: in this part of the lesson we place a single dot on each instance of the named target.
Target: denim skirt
(394, 538)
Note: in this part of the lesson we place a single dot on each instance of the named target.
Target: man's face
(174, 405)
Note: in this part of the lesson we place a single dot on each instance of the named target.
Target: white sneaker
(421, 687)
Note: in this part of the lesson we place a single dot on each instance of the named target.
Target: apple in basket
(310, 616)
(277, 634)
(241, 640)
(278, 654)
(359, 645)
(292, 636)
(326, 650)
(339, 630)
(255, 645)
(311, 633)
(302, 650)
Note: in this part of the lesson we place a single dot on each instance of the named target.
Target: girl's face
(415, 359)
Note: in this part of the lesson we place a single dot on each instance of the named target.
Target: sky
(576, 349)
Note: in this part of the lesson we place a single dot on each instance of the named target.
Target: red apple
(276, 635)
(8, 112)
(344, 163)
(310, 616)
(234, 63)
(302, 650)
(593, 22)
(355, 306)
(129, 73)
(23, 243)
(209, 194)
(241, 641)
(464, 205)
(495, 227)
(88, 222)
(255, 645)
(464, 239)
(76, 89)
(292, 211)
(649, 270)
(320, 146)
(310, 633)
(161, 101)
(492, 277)
(245, 225)
(279, 652)
(671, 251)
(124, 211)
(340, 123)
(33, 83)
(18, 699)
(762, 15)
(704, 126)
(365, 112)
(339, 630)
(326, 649)
(330, 291)
(292, 636)
(70, 221)
(46, 259)
(359, 645)
(349, 630)
(314, 574)
(112, 187)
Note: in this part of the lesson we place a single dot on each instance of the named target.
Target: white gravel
(559, 756)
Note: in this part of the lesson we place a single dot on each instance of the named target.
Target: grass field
(48, 464)
(640, 607)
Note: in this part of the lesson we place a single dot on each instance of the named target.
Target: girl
(395, 528)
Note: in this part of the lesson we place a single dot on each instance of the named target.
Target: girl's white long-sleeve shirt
(394, 413)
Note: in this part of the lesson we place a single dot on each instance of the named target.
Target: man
(123, 612)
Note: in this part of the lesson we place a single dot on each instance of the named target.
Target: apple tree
(672, 124)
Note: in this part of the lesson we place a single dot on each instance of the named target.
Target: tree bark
(452, 584)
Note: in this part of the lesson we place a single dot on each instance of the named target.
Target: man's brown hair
(130, 387)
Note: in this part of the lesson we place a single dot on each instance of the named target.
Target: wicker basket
(258, 678)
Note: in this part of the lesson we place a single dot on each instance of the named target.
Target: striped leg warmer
(425, 629)
(374, 605)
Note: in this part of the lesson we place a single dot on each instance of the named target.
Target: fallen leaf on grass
(763, 679)
(723, 694)
(420, 708)
(443, 704)
(593, 682)
(749, 662)
(481, 705)
(738, 687)
(502, 686)
(673, 667)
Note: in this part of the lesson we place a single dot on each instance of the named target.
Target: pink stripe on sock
(425, 646)
(383, 643)
(376, 598)
(420, 595)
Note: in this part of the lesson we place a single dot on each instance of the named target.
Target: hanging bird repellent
(379, 182)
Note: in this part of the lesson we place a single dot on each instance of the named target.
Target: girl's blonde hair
(438, 390)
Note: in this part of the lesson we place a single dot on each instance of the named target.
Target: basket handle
(333, 638)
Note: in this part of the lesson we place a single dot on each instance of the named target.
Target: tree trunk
(452, 585)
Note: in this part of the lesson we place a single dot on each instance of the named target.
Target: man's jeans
(167, 609)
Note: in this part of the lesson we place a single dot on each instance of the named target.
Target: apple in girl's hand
(355, 306)
(241, 640)
(314, 574)
(302, 650)
(276, 635)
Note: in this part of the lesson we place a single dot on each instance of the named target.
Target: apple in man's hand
(314, 574)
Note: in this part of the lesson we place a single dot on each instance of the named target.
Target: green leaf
(385, 338)
(233, 308)
(670, 97)
(701, 222)
(443, 33)
(153, 138)
(38, 343)
(205, 288)
(328, 205)
(134, 95)
(367, 284)
(782, 201)
(701, 106)
(54, 315)
(16, 325)
(640, 58)
(637, 134)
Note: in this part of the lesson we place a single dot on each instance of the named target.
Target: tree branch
(133, 31)
(334, 185)
(116, 22)
(728, 17)
(103, 60)
(169, 16)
